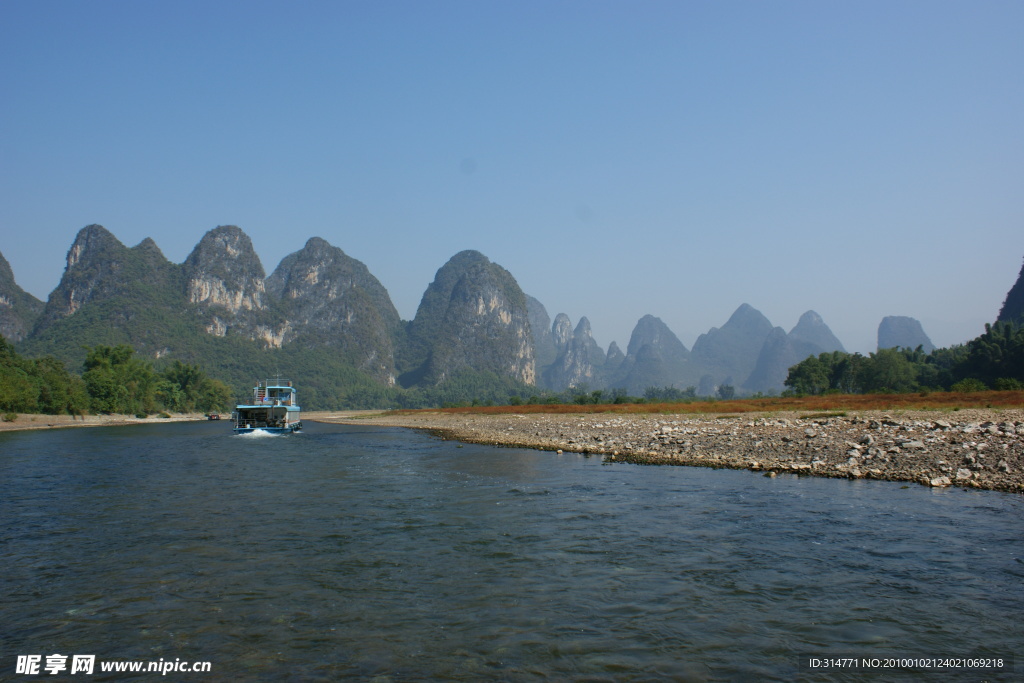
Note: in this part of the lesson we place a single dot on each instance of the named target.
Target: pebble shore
(981, 449)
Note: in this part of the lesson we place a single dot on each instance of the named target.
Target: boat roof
(266, 405)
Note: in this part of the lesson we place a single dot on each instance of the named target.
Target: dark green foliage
(41, 385)
(995, 359)
(890, 371)
(885, 371)
(968, 385)
(997, 354)
(118, 382)
(813, 376)
(185, 388)
(669, 394)
(114, 381)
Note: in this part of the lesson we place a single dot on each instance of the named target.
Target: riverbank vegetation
(987, 371)
(995, 360)
(113, 380)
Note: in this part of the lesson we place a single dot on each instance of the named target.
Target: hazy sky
(860, 159)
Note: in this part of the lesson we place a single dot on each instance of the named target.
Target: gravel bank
(968, 448)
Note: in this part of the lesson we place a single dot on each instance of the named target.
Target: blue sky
(860, 159)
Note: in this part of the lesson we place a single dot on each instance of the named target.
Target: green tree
(811, 376)
(38, 385)
(118, 382)
(998, 353)
(214, 396)
(968, 385)
(59, 390)
(889, 370)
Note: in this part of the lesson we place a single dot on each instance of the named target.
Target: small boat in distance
(273, 409)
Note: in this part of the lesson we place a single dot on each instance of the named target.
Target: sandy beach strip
(25, 421)
(970, 448)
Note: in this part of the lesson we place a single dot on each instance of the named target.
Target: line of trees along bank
(995, 360)
(113, 380)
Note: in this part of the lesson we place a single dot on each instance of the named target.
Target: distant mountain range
(324, 319)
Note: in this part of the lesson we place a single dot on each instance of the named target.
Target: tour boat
(272, 410)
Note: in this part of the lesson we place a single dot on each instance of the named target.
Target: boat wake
(257, 434)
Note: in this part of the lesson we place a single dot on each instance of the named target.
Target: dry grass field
(940, 401)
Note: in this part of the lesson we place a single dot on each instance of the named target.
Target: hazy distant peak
(561, 331)
(651, 330)
(748, 315)
(810, 318)
(904, 332)
(812, 329)
(540, 327)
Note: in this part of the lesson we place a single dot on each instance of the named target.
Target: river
(390, 555)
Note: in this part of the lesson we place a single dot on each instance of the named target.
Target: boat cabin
(273, 408)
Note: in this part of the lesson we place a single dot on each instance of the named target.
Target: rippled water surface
(389, 554)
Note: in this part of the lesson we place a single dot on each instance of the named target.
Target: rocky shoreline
(981, 449)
